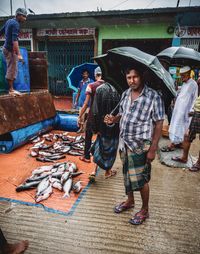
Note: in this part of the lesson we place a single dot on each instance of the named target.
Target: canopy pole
(178, 3)
(11, 12)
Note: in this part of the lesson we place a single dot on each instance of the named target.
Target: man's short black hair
(128, 69)
(85, 70)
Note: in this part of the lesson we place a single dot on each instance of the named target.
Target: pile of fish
(58, 175)
(51, 147)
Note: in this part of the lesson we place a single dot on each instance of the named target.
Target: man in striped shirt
(141, 116)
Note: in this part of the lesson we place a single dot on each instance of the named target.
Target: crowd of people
(131, 124)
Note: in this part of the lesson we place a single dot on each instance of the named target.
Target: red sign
(187, 32)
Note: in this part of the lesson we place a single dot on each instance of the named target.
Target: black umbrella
(180, 56)
(117, 60)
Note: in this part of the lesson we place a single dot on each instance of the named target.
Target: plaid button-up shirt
(138, 118)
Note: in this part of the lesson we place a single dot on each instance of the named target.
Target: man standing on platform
(11, 50)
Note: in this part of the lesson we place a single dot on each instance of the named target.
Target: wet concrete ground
(173, 226)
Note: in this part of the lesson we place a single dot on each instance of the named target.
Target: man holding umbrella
(141, 116)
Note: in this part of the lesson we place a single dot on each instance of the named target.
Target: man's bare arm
(16, 48)
(154, 145)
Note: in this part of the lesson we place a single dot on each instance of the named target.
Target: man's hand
(151, 155)
(109, 119)
(79, 122)
(20, 58)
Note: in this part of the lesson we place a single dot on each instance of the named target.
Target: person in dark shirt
(90, 93)
(104, 149)
(11, 50)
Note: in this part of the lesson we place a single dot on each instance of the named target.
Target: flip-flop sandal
(138, 218)
(17, 93)
(122, 207)
(113, 173)
(84, 159)
(178, 159)
(167, 149)
(195, 168)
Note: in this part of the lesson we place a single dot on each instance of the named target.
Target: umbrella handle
(115, 109)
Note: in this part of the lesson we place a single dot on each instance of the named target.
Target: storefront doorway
(62, 57)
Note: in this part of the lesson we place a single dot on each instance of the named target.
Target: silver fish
(75, 153)
(35, 139)
(37, 145)
(78, 138)
(34, 153)
(42, 169)
(53, 179)
(44, 159)
(77, 187)
(78, 146)
(71, 167)
(57, 164)
(57, 185)
(27, 186)
(64, 177)
(43, 185)
(56, 157)
(49, 139)
(45, 146)
(67, 188)
(44, 195)
(38, 177)
(57, 174)
(66, 149)
(46, 154)
(62, 167)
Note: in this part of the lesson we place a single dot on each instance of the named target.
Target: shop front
(66, 48)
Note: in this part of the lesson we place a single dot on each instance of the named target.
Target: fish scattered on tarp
(58, 175)
(55, 146)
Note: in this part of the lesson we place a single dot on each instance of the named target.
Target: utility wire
(118, 4)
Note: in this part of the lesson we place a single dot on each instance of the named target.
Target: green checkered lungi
(135, 169)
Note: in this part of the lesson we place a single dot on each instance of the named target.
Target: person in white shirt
(180, 122)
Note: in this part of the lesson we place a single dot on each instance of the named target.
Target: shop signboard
(187, 32)
(65, 32)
